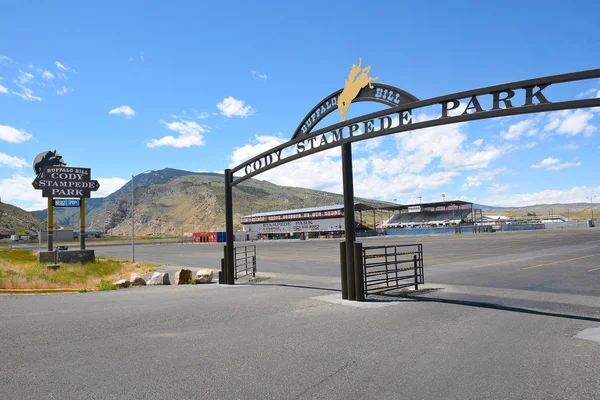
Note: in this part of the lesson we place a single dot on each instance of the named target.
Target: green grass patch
(19, 269)
(106, 285)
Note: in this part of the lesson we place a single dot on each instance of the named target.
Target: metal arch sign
(359, 86)
(521, 97)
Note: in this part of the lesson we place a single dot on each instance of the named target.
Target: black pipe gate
(244, 264)
(245, 261)
(392, 267)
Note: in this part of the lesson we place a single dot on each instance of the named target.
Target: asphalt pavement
(498, 319)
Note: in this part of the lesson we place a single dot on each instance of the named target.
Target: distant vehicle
(62, 248)
(15, 238)
(26, 237)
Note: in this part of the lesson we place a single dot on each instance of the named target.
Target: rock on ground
(204, 276)
(183, 276)
(122, 283)
(159, 278)
(137, 280)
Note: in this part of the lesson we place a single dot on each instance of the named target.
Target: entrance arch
(397, 118)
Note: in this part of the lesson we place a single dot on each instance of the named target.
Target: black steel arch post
(229, 261)
(349, 222)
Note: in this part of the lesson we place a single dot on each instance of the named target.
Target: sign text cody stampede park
(501, 100)
(390, 123)
(515, 98)
(55, 179)
(66, 182)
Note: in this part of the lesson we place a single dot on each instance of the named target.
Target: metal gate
(245, 261)
(392, 267)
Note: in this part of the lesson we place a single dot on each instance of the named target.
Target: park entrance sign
(66, 182)
(55, 179)
(516, 98)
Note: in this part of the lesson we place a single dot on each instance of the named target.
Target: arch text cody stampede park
(521, 97)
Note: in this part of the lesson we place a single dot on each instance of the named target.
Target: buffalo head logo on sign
(47, 159)
(353, 86)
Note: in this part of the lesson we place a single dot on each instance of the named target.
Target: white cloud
(127, 111)
(552, 164)
(368, 185)
(13, 135)
(17, 190)
(3, 89)
(478, 179)
(189, 135)
(257, 74)
(570, 146)
(368, 145)
(516, 130)
(587, 93)
(546, 162)
(12, 162)
(571, 122)
(27, 94)
(23, 78)
(323, 171)
(498, 188)
(108, 186)
(62, 91)
(5, 59)
(203, 115)
(62, 67)
(416, 150)
(46, 74)
(574, 195)
(563, 165)
(232, 107)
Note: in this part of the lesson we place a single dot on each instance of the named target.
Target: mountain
(544, 208)
(579, 211)
(170, 201)
(13, 218)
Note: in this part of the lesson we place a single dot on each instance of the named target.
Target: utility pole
(592, 206)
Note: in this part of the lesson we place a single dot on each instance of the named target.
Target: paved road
(515, 260)
(497, 321)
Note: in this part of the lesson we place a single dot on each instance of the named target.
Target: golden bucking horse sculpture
(353, 86)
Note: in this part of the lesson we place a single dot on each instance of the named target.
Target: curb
(37, 291)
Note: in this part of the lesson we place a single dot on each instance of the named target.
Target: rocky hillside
(14, 218)
(578, 211)
(171, 201)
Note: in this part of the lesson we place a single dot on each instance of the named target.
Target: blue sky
(122, 87)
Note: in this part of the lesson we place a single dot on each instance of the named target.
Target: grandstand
(328, 221)
(445, 213)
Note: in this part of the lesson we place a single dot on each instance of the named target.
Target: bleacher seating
(438, 218)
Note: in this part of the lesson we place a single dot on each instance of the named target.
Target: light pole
(592, 206)
(132, 212)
